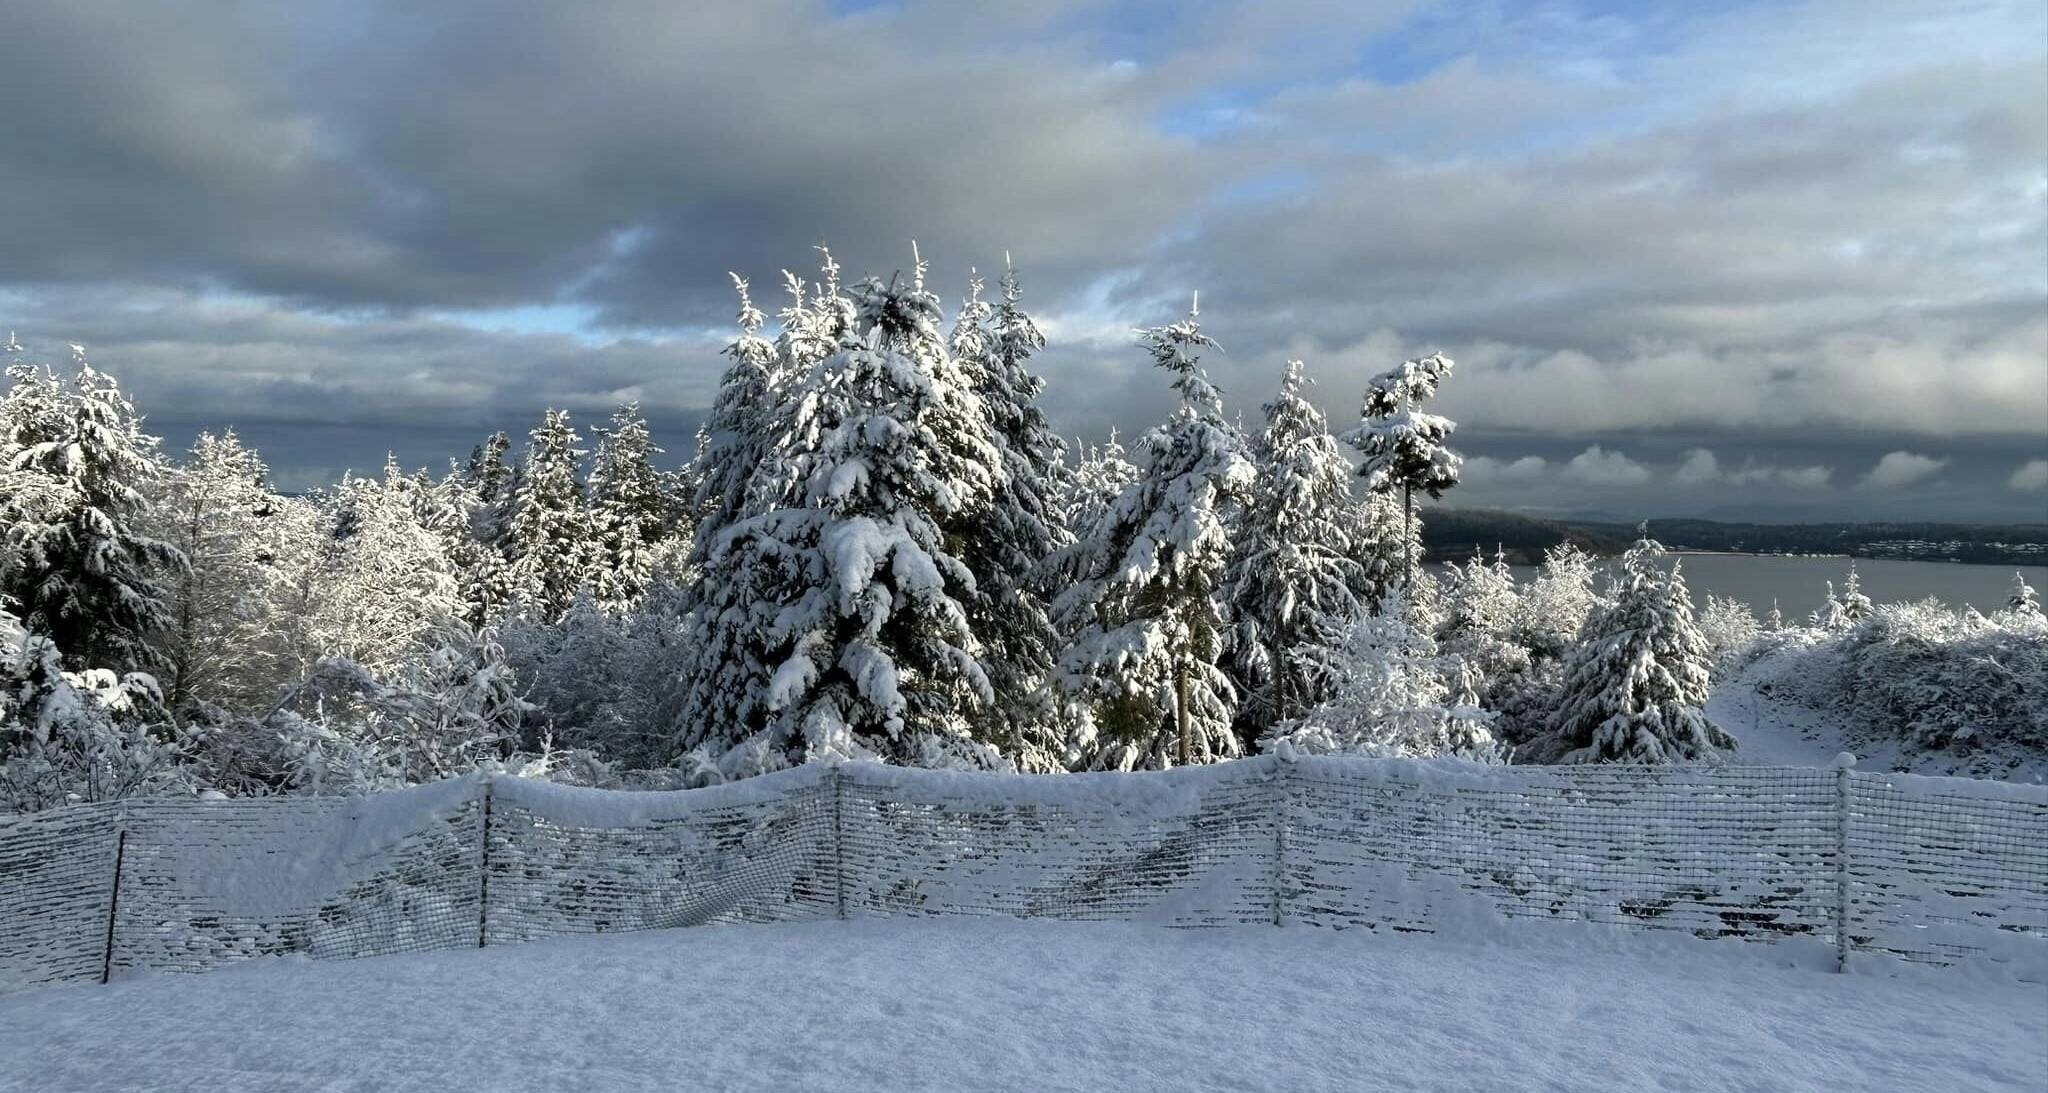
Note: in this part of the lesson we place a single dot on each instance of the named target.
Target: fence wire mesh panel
(1190, 847)
(208, 882)
(566, 861)
(1942, 869)
(1926, 869)
(56, 884)
(1718, 852)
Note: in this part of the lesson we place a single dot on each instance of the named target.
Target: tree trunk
(1180, 709)
(1408, 538)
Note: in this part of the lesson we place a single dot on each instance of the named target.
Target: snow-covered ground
(1004, 1004)
(1774, 732)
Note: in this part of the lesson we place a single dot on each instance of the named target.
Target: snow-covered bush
(1479, 620)
(1388, 692)
(1731, 631)
(73, 736)
(1555, 605)
(1930, 677)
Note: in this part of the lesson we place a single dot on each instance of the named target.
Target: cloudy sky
(1755, 260)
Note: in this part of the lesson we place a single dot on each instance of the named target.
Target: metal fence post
(838, 839)
(114, 901)
(1845, 768)
(483, 881)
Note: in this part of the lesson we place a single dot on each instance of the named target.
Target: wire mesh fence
(1935, 870)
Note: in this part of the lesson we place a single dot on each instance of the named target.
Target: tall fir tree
(1636, 687)
(629, 509)
(90, 575)
(548, 544)
(1406, 450)
(1145, 628)
(738, 576)
(892, 445)
(1008, 544)
(1297, 566)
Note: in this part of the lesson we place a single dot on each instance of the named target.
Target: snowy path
(1775, 733)
(1003, 1004)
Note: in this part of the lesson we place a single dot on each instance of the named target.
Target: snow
(949, 1005)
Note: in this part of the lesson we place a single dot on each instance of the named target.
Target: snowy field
(1006, 1004)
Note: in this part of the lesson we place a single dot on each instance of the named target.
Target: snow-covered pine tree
(90, 576)
(891, 444)
(548, 542)
(629, 505)
(1145, 628)
(1855, 605)
(1296, 566)
(1094, 484)
(1007, 545)
(484, 489)
(741, 575)
(1406, 450)
(2022, 599)
(1636, 687)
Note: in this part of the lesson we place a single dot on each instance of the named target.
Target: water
(1800, 584)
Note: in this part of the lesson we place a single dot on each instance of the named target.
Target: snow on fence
(1932, 870)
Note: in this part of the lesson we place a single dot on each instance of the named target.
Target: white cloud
(1902, 468)
(1699, 468)
(2031, 477)
(1529, 468)
(1598, 467)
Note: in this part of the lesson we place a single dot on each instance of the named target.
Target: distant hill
(1453, 534)
(2001, 544)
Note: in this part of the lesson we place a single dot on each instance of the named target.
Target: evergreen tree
(1406, 450)
(1296, 565)
(1855, 605)
(629, 506)
(892, 445)
(741, 575)
(1636, 687)
(88, 575)
(1145, 627)
(1093, 486)
(2023, 599)
(1007, 545)
(548, 545)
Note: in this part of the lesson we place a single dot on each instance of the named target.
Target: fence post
(1281, 765)
(483, 882)
(1845, 767)
(838, 839)
(114, 900)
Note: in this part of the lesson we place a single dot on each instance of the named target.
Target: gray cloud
(1798, 238)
